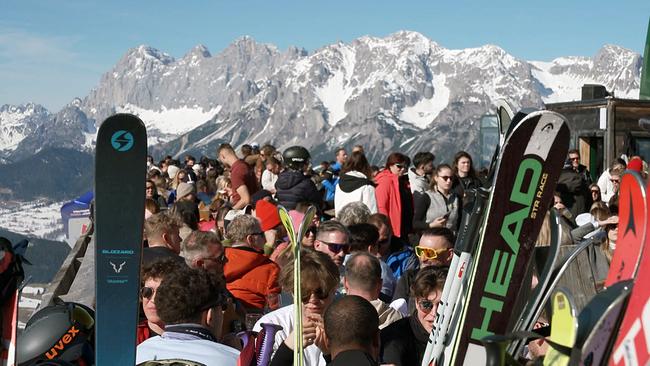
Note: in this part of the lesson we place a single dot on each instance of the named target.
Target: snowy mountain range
(403, 93)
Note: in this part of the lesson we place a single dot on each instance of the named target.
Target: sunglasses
(428, 253)
(400, 166)
(444, 177)
(595, 191)
(147, 292)
(221, 259)
(426, 305)
(318, 293)
(574, 159)
(615, 180)
(336, 248)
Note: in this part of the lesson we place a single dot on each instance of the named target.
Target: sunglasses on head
(318, 293)
(426, 305)
(428, 253)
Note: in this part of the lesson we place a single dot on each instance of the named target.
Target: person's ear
(346, 284)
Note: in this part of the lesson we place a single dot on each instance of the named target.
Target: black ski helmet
(57, 332)
(296, 157)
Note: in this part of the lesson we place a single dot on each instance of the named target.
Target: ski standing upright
(120, 168)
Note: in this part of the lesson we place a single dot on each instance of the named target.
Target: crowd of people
(374, 259)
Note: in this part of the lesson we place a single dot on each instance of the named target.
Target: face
(427, 168)
(595, 194)
(341, 156)
(149, 190)
(333, 243)
(575, 160)
(273, 168)
(443, 179)
(426, 308)
(315, 302)
(616, 182)
(612, 233)
(398, 169)
(257, 238)
(433, 250)
(464, 165)
(181, 176)
(174, 239)
(384, 240)
(148, 304)
(212, 260)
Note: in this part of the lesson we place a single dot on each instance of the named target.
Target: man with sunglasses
(573, 184)
(332, 239)
(433, 250)
(188, 300)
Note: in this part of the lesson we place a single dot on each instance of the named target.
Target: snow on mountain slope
(17, 122)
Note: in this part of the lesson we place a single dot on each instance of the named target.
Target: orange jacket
(251, 276)
(388, 200)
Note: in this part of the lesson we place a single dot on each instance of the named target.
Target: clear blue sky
(52, 51)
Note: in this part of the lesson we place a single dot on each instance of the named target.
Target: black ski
(120, 168)
(527, 172)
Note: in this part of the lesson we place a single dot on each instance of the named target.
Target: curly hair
(184, 293)
(354, 213)
(159, 268)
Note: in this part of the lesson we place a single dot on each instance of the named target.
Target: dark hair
(225, 146)
(151, 206)
(246, 149)
(379, 219)
(363, 271)
(351, 320)
(362, 236)
(159, 268)
(184, 293)
(441, 231)
(573, 151)
(427, 280)
(188, 212)
(396, 158)
(464, 154)
(357, 161)
(423, 158)
(317, 271)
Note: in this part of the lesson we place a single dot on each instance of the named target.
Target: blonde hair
(161, 223)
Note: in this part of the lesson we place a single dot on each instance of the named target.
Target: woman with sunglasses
(319, 281)
(404, 342)
(393, 194)
(595, 193)
(438, 206)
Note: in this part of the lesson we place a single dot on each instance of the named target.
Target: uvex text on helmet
(296, 157)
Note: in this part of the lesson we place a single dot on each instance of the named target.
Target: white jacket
(364, 194)
(284, 318)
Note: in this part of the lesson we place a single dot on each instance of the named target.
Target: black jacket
(293, 187)
(403, 343)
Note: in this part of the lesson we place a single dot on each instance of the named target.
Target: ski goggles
(428, 253)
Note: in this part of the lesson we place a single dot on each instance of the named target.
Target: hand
(439, 222)
(612, 220)
(310, 324)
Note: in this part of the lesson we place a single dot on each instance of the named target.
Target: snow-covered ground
(40, 219)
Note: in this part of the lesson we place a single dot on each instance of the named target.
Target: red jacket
(250, 276)
(388, 199)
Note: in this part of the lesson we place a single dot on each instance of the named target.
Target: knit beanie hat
(172, 170)
(184, 189)
(268, 214)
